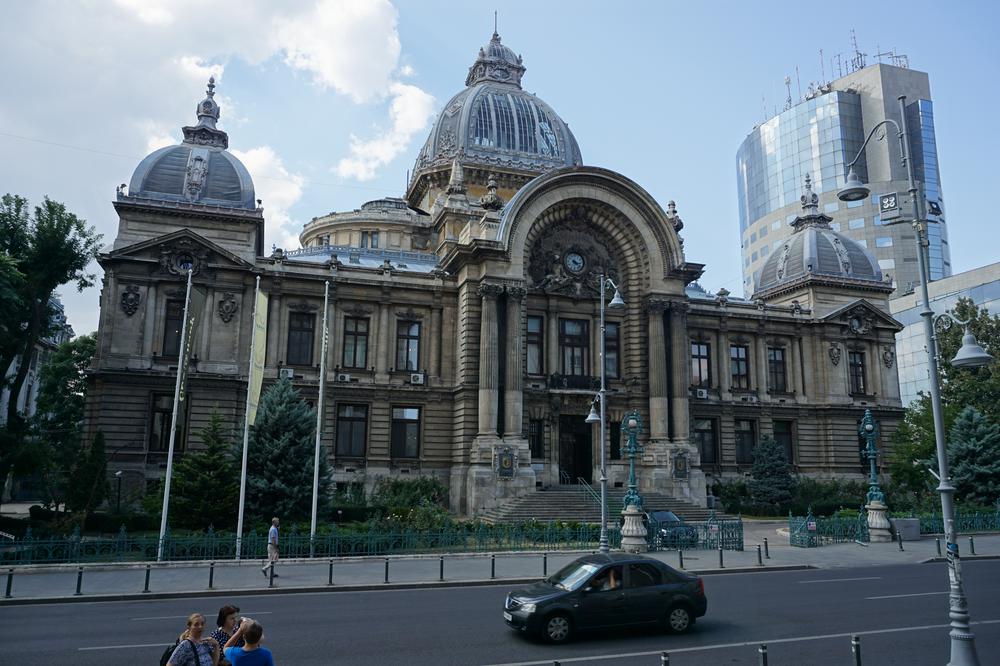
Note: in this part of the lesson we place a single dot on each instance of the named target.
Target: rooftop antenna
(763, 106)
(858, 61)
(822, 67)
(798, 83)
(840, 65)
(788, 100)
(495, 23)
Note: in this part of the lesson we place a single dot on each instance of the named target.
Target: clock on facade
(574, 262)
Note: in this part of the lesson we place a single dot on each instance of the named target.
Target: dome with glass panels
(495, 124)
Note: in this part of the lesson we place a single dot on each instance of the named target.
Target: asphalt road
(805, 617)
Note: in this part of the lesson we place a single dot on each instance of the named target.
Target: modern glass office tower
(821, 135)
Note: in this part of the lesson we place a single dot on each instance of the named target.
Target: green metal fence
(810, 531)
(710, 534)
(964, 522)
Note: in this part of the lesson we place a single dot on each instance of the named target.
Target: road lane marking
(839, 580)
(184, 617)
(900, 596)
(723, 646)
(124, 647)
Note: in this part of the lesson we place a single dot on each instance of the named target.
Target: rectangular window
(407, 345)
(352, 422)
(364, 239)
(704, 435)
(536, 345)
(776, 375)
(883, 241)
(856, 204)
(615, 438)
(886, 264)
(783, 436)
(857, 223)
(161, 410)
(745, 441)
(301, 329)
(355, 342)
(856, 370)
(536, 439)
(172, 322)
(611, 358)
(405, 432)
(374, 238)
(739, 366)
(701, 367)
(776, 225)
(574, 346)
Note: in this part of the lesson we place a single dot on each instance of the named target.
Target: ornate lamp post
(963, 645)
(878, 524)
(633, 531)
(616, 303)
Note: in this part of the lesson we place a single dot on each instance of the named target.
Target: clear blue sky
(663, 92)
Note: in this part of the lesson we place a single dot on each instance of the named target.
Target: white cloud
(279, 190)
(149, 11)
(409, 112)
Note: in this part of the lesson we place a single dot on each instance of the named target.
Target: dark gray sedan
(607, 590)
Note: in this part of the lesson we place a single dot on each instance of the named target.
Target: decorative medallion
(860, 322)
(182, 255)
(834, 353)
(888, 356)
(227, 307)
(680, 461)
(194, 180)
(131, 298)
(505, 462)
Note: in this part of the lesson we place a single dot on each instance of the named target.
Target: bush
(408, 493)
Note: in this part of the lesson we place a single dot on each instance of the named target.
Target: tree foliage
(89, 485)
(206, 482)
(771, 482)
(974, 454)
(280, 458)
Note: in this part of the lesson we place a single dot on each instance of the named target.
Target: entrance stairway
(575, 503)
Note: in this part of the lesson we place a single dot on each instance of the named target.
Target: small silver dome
(199, 170)
(816, 250)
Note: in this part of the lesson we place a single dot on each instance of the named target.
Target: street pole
(319, 420)
(603, 543)
(963, 646)
(246, 423)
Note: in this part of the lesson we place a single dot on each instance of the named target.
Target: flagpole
(246, 423)
(181, 361)
(319, 419)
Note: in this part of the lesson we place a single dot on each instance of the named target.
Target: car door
(600, 604)
(646, 593)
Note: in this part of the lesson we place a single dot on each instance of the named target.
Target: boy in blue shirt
(251, 654)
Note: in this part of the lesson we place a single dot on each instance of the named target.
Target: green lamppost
(878, 523)
(633, 531)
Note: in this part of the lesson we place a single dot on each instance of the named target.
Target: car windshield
(572, 576)
(664, 517)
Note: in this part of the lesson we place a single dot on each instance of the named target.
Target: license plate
(508, 617)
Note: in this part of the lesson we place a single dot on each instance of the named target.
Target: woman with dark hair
(225, 626)
(193, 649)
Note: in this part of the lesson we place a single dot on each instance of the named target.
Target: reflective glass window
(883, 241)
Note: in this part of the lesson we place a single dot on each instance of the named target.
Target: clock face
(574, 262)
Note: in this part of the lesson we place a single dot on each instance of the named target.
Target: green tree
(206, 482)
(279, 466)
(771, 483)
(974, 454)
(46, 248)
(62, 395)
(89, 487)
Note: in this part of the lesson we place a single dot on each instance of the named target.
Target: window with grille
(355, 342)
(352, 422)
(301, 329)
(701, 368)
(739, 366)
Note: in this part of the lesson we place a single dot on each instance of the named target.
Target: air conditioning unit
(343, 377)
(286, 373)
(701, 393)
(417, 378)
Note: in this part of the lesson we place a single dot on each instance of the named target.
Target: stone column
(274, 324)
(657, 357)
(760, 345)
(488, 360)
(513, 390)
(435, 333)
(681, 380)
(149, 323)
(552, 339)
(722, 358)
(382, 346)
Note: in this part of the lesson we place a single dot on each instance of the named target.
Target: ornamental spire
(496, 62)
(810, 215)
(205, 133)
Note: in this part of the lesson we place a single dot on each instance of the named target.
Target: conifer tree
(206, 482)
(280, 458)
(771, 483)
(89, 486)
(974, 454)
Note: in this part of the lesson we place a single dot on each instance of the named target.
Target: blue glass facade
(819, 136)
(920, 123)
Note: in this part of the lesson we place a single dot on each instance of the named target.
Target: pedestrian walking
(251, 654)
(272, 548)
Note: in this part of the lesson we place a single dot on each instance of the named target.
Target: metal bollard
(493, 567)
(145, 587)
(680, 558)
(899, 539)
(763, 654)
(856, 649)
(386, 579)
(664, 659)
(79, 581)
(760, 557)
(972, 546)
(545, 564)
(937, 542)
(721, 565)
(270, 577)
(10, 584)
(441, 568)
(329, 578)
(767, 551)
(211, 575)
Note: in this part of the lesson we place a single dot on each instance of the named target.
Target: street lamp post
(963, 645)
(118, 504)
(633, 531)
(878, 525)
(616, 303)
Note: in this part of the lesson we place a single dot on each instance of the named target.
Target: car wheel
(557, 628)
(679, 619)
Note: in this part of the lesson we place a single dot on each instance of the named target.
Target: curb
(964, 558)
(315, 589)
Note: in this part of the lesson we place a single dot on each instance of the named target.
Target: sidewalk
(51, 583)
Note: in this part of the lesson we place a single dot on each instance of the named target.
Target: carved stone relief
(131, 298)
(569, 256)
(183, 254)
(228, 307)
(834, 353)
(888, 356)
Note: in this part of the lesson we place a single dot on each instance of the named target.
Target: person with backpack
(192, 649)
(251, 654)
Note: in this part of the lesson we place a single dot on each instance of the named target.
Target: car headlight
(527, 608)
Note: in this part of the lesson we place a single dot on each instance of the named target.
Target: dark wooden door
(575, 449)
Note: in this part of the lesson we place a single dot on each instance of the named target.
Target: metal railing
(810, 531)
(711, 534)
(964, 522)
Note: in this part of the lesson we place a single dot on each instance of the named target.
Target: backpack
(165, 657)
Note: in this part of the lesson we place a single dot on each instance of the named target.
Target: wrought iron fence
(811, 532)
(710, 534)
(964, 522)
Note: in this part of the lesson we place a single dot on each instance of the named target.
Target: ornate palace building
(464, 326)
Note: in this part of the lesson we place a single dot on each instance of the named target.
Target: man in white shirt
(272, 548)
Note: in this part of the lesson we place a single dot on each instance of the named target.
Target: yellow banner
(257, 355)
